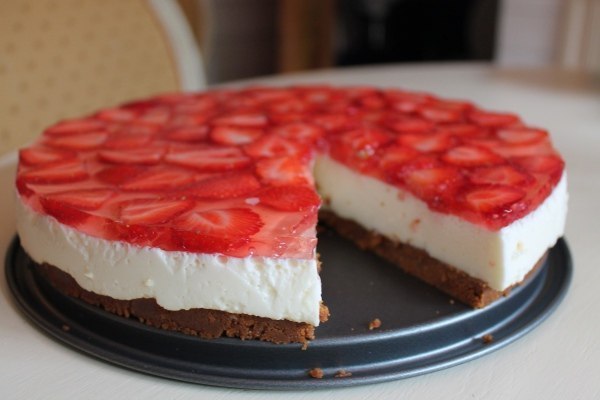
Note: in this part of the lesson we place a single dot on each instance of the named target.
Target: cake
(197, 212)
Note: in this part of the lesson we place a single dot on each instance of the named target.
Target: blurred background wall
(246, 38)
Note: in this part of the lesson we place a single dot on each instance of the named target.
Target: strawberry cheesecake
(198, 212)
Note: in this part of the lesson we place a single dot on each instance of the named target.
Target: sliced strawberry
(410, 125)
(438, 113)
(62, 172)
(461, 129)
(393, 157)
(144, 155)
(289, 106)
(83, 141)
(283, 171)
(332, 121)
(63, 212)
(85, 199)
(255, 120)
(74, 126)
(127, 141)
(156, 116)
(216, 231)
(225, 186)
(499, 175)
(302, 131)
(44, 155)
(272, 145)
(235, 135)
(521, 135)
(493, 198)
(119, 174)
(364, 142)
(470, 156)
(152, 211)
(228, 222)
(551, 165)
(160, 178)
(187, 133)
(426, 142)
(290, 198)
(492, 119)
(209, 158)
(428, 183)
(116, 115)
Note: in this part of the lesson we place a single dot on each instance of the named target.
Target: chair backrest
(60, 59)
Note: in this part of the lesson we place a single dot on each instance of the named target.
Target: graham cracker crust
(447, 278)
(204, 323)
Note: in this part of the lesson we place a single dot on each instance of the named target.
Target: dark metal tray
(422, 329)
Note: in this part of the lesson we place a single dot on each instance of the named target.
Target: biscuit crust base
(450, 280)
(204, 323)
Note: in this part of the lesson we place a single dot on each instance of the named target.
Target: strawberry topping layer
(229, 171)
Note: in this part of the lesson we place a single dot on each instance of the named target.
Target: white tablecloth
(558, 360)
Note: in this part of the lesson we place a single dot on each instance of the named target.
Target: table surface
(558, 360)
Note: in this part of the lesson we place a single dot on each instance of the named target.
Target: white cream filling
(500, 258)
(276, 288)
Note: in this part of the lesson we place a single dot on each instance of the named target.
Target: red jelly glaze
(229, 171)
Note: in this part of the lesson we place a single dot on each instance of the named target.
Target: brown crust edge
(204, 323)
(450, 280)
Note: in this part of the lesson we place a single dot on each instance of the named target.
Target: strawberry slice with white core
(471, 156)
(439, 113)
(394, 156)
(301, 131)
(85, 199)
(290, 198)
(209, 158)
(62, 172)
(226, 186)
(492, 119)
(216, 231)
(160, 178)
(152, 211)
(235, 135)
(427, 182)
(426, 142)
(144, 155)
(521, 135)
(499, 175)
(42, 155)
(156, 116)
(74, 126)
(242, 119)
(83, 141)
(551, 165)
(283, 171)
(493, 198)
(189, 134)
(272, 145)
(221, 222)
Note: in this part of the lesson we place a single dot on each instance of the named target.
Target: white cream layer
(275, 288)
(500, 258)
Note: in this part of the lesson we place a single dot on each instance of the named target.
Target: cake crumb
(316, 373)
(305, 345)
(487, 339)
(374, 324)
(414, 225)
(66, 328)
(451, 301)
(342, 373)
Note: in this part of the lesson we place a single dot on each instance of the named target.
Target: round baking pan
(422, 330)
